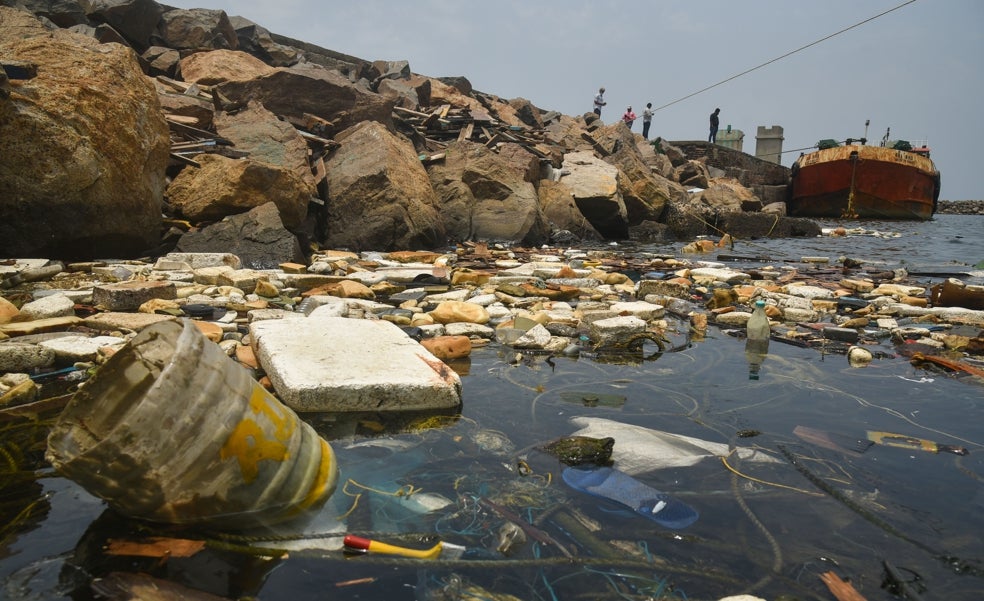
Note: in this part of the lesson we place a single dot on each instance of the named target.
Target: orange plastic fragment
(953, 365)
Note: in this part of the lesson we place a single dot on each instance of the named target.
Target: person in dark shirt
(714, 126)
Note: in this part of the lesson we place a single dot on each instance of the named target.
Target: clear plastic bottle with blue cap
(756, 339)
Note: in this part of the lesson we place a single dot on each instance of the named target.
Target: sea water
(768, 528)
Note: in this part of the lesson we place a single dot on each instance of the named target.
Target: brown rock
(448, 347)
(380, 195)
(458, 311)
(484, 197)
(594, 187)
(268, 139)
(161, 61)
(91, 124)
(692, 174)
(7, 311)
(224, 186)
(561, 211)
(196, 29)
(413, 256)
(217, 66)
(212, 331)
(308, 88)
(352, 289)
(246, 356)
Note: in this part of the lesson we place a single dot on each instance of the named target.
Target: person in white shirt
(599, 101)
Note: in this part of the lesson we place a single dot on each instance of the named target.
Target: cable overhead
(778, 58)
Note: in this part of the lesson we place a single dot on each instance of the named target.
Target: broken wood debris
(436, 127)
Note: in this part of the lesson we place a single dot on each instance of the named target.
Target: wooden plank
(183, 119)
(444, 110)
(495, 140)
(400, 109)
(188, 130)
(466, 132)
(320, 171)
(202, 145)
(313, 138)
(183, 159)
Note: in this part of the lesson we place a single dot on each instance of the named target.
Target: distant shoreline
(960, 207)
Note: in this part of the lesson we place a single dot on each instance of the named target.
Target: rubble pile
(58, 321)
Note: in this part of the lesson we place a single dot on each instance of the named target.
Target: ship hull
(864, 182)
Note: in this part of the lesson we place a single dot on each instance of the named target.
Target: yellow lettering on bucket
(249, 443)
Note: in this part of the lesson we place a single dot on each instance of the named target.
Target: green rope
(959, 566)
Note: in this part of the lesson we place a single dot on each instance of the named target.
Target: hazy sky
(918, 70)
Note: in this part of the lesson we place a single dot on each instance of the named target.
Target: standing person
(629, 117)
(714, 127)
(599, 101)
(647, 119)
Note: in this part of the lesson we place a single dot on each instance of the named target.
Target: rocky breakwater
(130, 129)
(418, 315)
(961, 207)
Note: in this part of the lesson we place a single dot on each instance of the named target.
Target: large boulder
(557, 202)
(594, 187)
(443, 93)
(483, 196)
(526, 112)
(644, 197)
(728, 196)
(692, 174)
(569, 133)
(63, 13)
(306, 88)
(161, 61)
(258, 41)
(257, 237)
(222, 186)
(217, 66)
(658, 162)
(135, 20)
(268, 139)
(402, 92)
(84, 150)
(380, 197)
(195, 29)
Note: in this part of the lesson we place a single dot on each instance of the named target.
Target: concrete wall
(745, 168)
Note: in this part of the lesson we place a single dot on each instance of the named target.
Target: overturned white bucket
(172, 430)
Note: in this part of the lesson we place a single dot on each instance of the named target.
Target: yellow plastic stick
(374, 546)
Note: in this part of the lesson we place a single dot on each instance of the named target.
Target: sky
(918, 70)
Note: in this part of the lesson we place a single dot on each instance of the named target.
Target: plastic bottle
(756, 339)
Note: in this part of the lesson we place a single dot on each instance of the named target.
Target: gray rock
(16, 356)
(257, 237)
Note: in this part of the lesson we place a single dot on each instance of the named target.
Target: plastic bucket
(172, 430)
